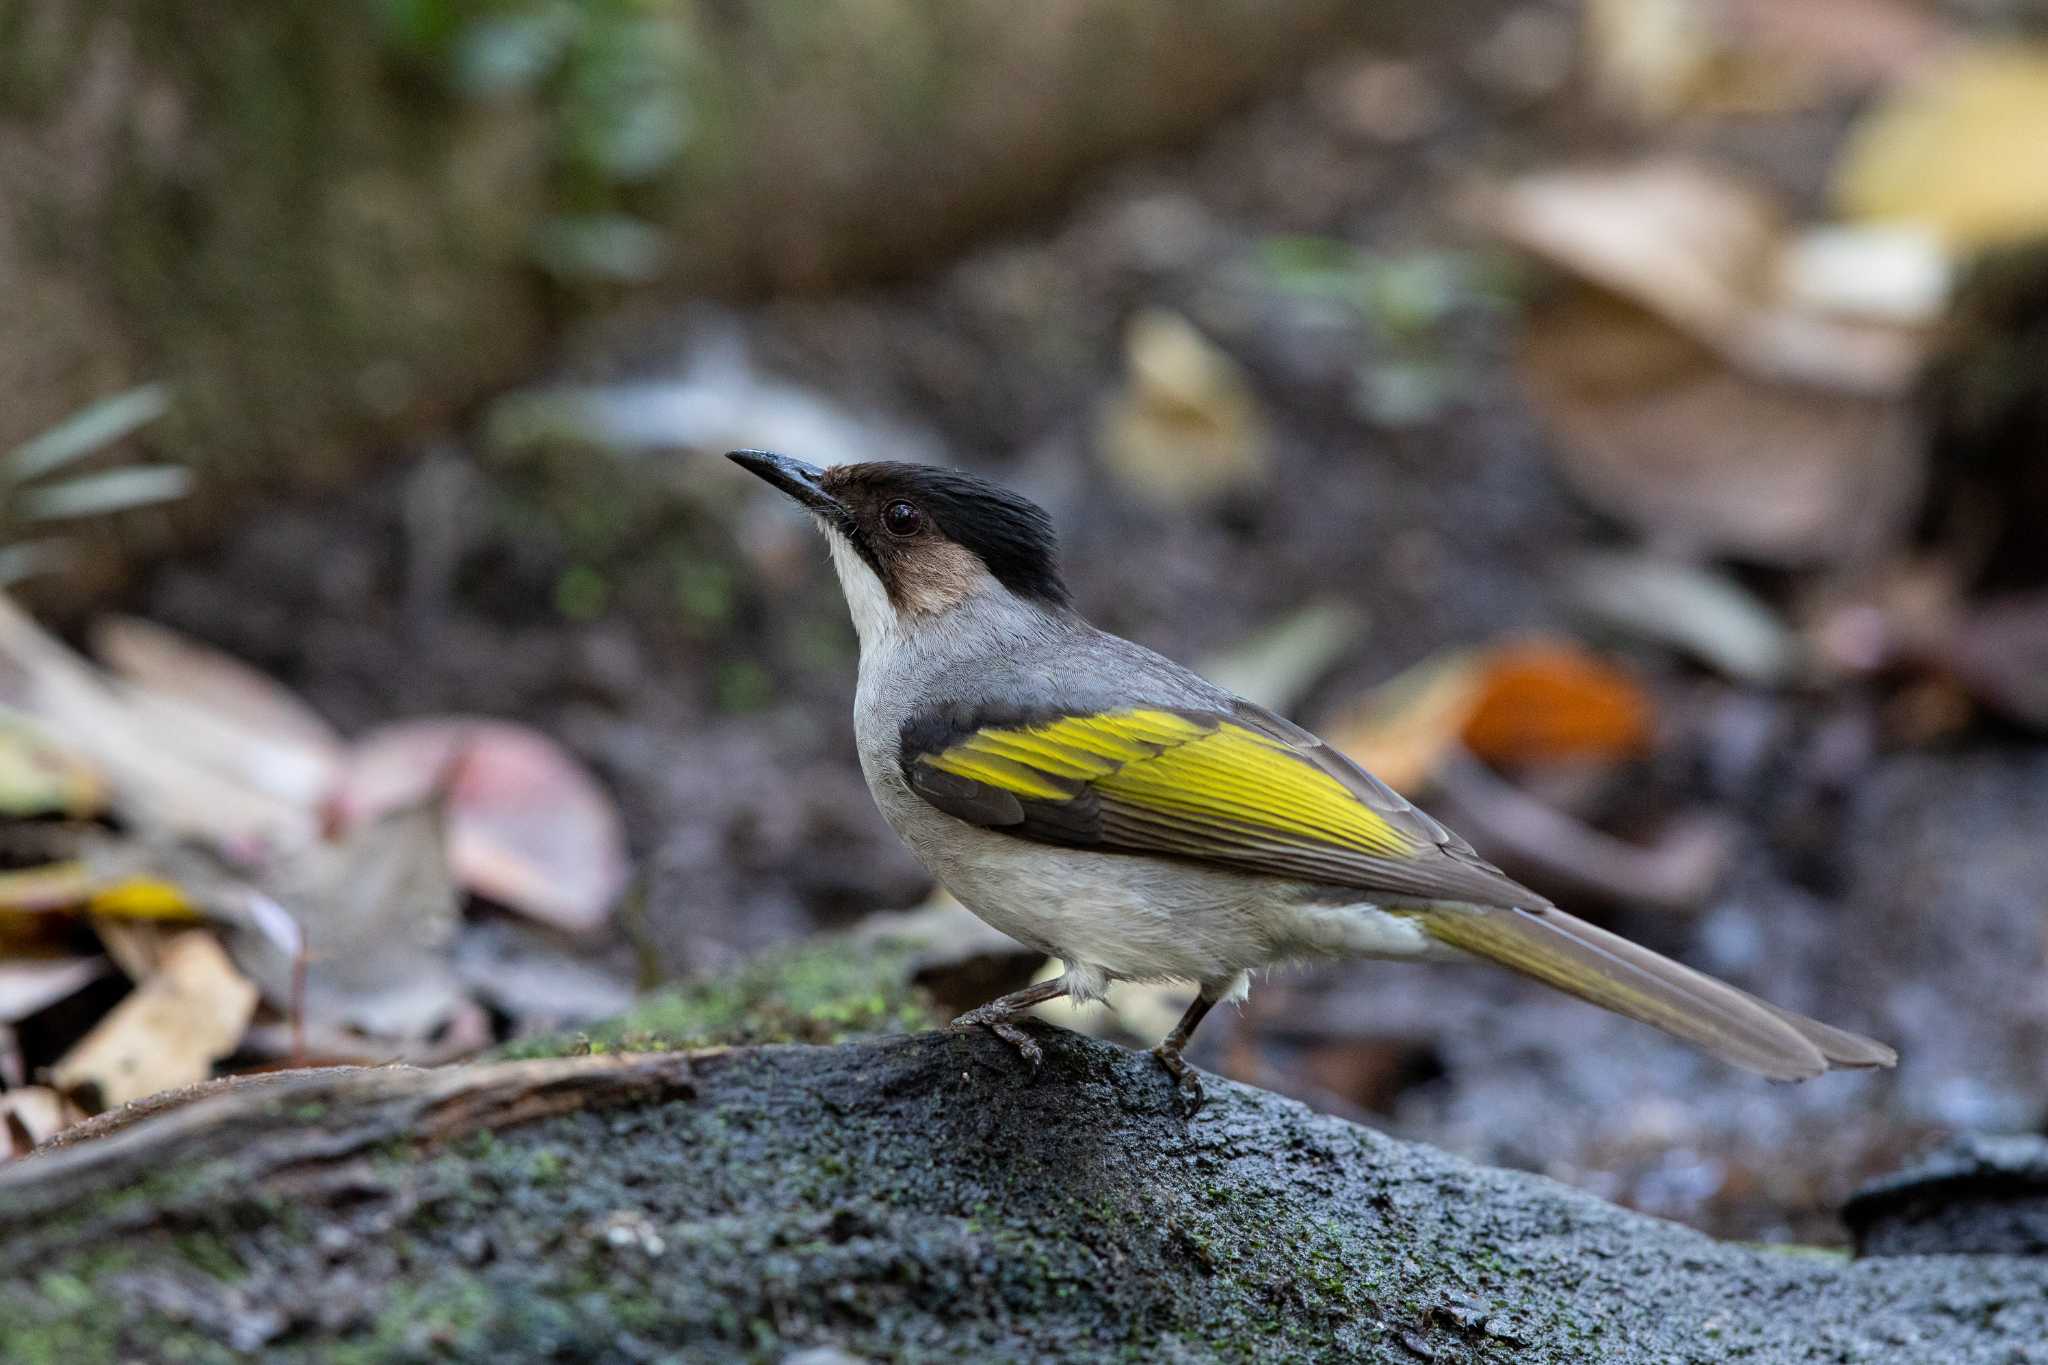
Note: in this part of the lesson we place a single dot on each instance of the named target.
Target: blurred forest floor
(1286, 394)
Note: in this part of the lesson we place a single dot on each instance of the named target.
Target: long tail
(1608, 970)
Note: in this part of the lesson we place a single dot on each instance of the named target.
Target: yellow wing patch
(1194, 771)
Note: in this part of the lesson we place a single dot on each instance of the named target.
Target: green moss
(210, 1255)
(825, 991)
(548, 1167)
(449, 1316)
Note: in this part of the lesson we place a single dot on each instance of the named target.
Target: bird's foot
(1187, 1082)
(1002, 1023)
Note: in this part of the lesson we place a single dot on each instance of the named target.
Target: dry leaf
(1186, 426)
(30, 1116)
(1544, 702)
(1708, 254)
(1527, 702)
(518, 971)
(1649, 58)
(1706, 614)
(1689, 243)
(38, 890)
(1958, 150)
(38, 778)
(1654, 59)
(174, 665)
(529, 826)
(1652, 429)
(168, 1033)
(378, 909)
(1567, 857)
(1846, 42)
(249, 724)
(1403, 729)
(137, 946)
(29, 985)
(1892, 274)
(175, 780)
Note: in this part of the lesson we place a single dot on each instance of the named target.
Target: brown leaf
(168, 1033)
(1688, 243)
(529, 826)
(137, 946)
(1281, 662)
(1709, 255)
(30, 1116)
(1658, 432)
(1564, 856)
(525, 973)
(37, 890)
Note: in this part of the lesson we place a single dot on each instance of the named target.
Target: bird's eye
(902, 519)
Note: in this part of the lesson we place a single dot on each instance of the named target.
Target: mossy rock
(911, 1197)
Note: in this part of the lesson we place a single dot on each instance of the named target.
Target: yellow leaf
(1960, 150)
(143, 898)
(1186, 427)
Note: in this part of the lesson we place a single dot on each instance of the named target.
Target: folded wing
(1245, 789)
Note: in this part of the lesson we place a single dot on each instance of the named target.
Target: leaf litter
(261, 867)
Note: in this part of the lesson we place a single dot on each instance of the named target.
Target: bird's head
(913, 541)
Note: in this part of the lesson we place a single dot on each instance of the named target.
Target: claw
(1187, 1082)
(999, 1022)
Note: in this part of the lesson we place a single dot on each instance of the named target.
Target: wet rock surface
(908, 1198)
(1975, 1196)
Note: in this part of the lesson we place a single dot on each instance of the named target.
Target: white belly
(1140, 918)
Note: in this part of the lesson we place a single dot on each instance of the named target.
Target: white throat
(874, 617)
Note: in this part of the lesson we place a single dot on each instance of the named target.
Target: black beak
(794, 477)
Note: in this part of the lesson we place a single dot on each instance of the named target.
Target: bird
(1105, 806)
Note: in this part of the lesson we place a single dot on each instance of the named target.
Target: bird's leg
(998, 1017)
(1186, 1083)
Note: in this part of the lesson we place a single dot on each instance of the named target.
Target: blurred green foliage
(40, 484)
(612, 77)
(1406, 303)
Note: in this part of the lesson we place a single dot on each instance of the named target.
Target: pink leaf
(528, 824)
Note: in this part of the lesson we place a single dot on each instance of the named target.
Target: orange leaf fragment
(1542, 702)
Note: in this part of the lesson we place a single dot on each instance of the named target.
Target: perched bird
(1107, 807)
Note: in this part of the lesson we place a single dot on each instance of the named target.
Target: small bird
(1105, 806)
